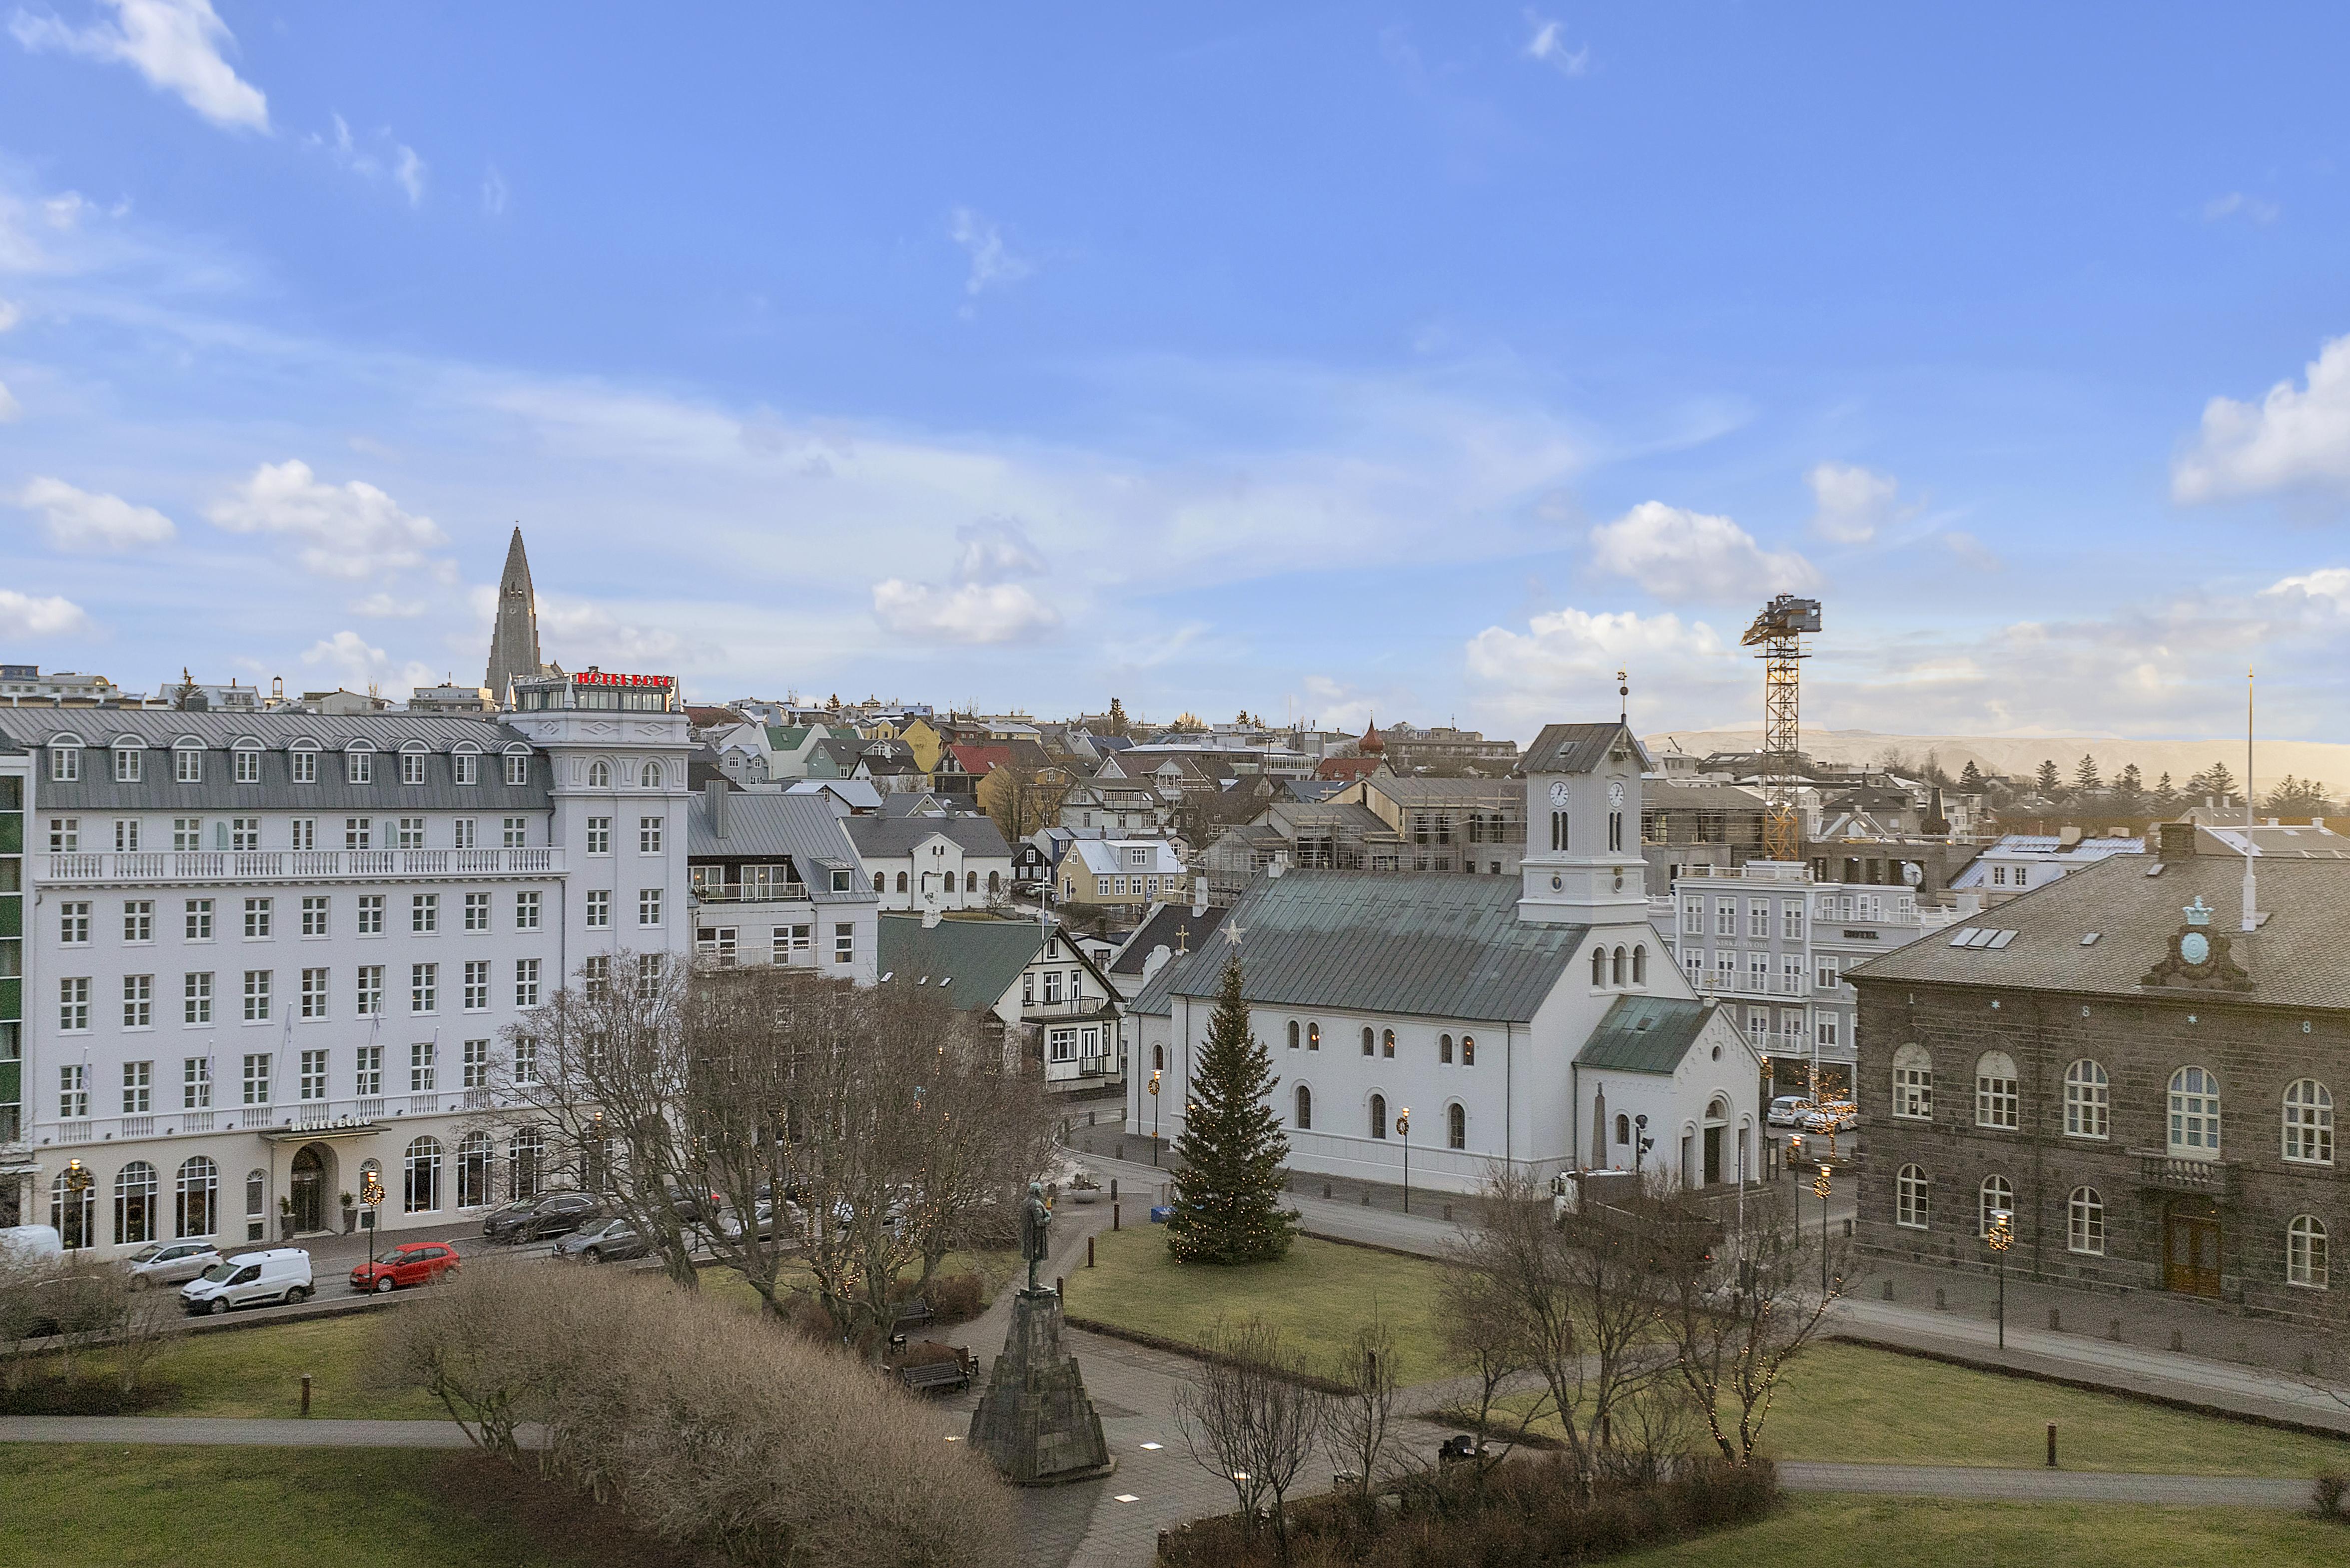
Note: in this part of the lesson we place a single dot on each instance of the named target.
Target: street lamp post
(2000, 1237)
(1820, 1188)
(372, 1194)
(78, 1180)
(1403, 1130)
(1154, 1116)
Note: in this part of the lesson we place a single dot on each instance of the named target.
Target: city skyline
(1433, 365)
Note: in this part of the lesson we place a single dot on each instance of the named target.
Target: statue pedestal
(1035, 1421)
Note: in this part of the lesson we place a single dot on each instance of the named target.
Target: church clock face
(1558, 792)
(1616, 793)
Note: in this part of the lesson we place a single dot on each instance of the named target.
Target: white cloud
(354, 662)
(90, 523)
(993, 265)
(10, 409)
(2297, 438)
(380, 157)
(995, 552)
(493, 192)
(1971, 551)
(2331, 584)
(383, 606)
(1852, 503)
(1548, 45)
(975, 613)
(593, 630)
(352, 530)
(1563, 664)
(175, 43)
(21, 615)
(2254, 208)
(1677, 554)
(9, 315)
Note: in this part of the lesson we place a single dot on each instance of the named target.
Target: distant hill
(2323, 759)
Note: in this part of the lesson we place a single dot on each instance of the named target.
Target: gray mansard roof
(1578, 748)
(158, 731)
(761, 827)
(1423, 944)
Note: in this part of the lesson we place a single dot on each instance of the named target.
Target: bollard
(1848, 1229)
(2055, 1321)
(306, 1393)
(1113, 1216)
(1326, 1189)
(2051, 1445)
(2177, 1340)
(1060, 1286)
(1941, 1300)
(1367, 1198)
(1121, 1148)
(1089, 1252)
(1447, 1212)
(1113, 1189)
(2114, 1331)
(1889, 1290)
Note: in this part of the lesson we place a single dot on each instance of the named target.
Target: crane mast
(1778, 632)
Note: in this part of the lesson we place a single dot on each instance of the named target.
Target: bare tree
(1359, 1426)
(1582, 1297)
(1739, 1314)
(1247, 1414)
(1482, 1336)
(591, 1082)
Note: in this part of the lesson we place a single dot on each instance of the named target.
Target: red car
(412, 1263)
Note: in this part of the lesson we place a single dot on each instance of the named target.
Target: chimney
(1199, 893)
(2177, 841)
(717, 791)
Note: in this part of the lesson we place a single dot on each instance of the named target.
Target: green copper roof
(1646, 1034)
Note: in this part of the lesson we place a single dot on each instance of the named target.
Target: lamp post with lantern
(372, 1194)
(2000, 1238)
(1820, 1188)
(1154, 1116)
(77, 1178)
(1403, 1131)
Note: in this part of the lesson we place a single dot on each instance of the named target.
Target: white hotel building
(265, 952)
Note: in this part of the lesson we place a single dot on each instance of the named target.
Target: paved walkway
(2046, 1486)
(231, 1431)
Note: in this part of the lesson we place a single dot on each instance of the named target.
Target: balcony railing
(754, 893)
(300, 1117)
(297, 865)
(2173, 1173)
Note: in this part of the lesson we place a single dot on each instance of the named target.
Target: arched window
(1615, 967)
(1997, 1197)
(1158, 1058)
(527, 1162)
(74, 1219)
(1996, 1103)
(2309, 1123)
(1314, 1037)
(2195, 1114)
(1378, 1115)
(2088, 1100)
(1913, 1082)
(1599, 966)
(651, 777)
(474, 1157)
(1367, 1039)
(1640, 965)
(600, 775)
(1623, 1127)
(1387, 1044)
(196, 1207)
(880, 881)
(420, 1193)
(1910, 1198)
(1304, 1108)
(1444, 1049)
(2304, 1251)
(2085, 1222)
(995, 881)
(1456, 1126)
(971, 881)
(902, 881)
(256, 1199)
(1468, 1050)
(1292, 1033)
(135, 1188)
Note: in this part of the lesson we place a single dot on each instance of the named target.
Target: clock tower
(1583, 864)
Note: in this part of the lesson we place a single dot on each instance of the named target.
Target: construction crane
(1779, 631)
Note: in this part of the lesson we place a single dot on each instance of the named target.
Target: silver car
(171, 1263)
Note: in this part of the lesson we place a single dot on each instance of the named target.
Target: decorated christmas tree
(1227, 1199)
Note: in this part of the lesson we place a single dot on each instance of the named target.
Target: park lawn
(258, 1371)
(161, 1507)
(1316, 1296)
(1952, 1532)
(1851, 1404)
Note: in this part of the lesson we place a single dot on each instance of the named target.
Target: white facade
(269, 950)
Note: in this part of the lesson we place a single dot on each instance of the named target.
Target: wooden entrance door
(309, 1189)
(2190, 1248)
(1712, 1155)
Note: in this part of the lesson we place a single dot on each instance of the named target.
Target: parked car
(1787, 1111)
(30, 1246)
(171, 1262)
(410, 1264)
(536, 1218)
(1829, 1116)
(250, 1279)
(603, 1240)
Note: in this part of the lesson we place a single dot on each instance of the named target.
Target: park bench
(922, 1379)
(918, 1310)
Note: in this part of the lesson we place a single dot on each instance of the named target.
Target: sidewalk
(231, 1431)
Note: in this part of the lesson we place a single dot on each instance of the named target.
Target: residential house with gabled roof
(934, 863)
(1122, 871)
(1530, 1023)
(1033, 979)
(776, 880)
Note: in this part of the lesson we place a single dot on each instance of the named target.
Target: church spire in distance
(514, 645)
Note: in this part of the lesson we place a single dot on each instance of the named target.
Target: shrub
(2332, 1486)
(713, 1427)
(955, 1297)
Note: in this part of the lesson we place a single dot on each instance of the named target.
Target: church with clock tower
(1540, 1027)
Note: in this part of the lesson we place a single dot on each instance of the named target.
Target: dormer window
(65, 761)
(411, 764)
(517, 767)
(359, 765)
(303, 763)
(467, 765)
(126, 765)
(188, 763)
(246, 764)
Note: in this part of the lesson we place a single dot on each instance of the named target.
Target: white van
(30, 1247)
(250, 1279)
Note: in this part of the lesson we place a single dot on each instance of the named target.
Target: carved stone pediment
(2201, 958)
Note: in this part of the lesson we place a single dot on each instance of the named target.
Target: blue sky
(1436, 361)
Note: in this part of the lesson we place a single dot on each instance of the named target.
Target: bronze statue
(1035, 1231)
